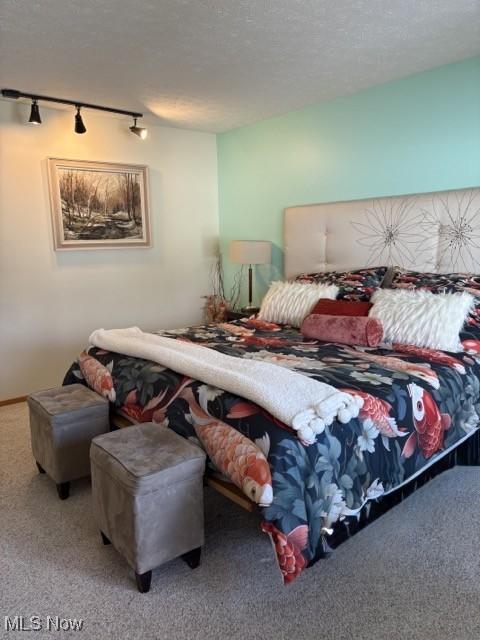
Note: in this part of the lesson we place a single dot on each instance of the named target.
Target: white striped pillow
(422, 318)
(291, 302)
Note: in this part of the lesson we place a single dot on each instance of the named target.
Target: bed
(324, 492)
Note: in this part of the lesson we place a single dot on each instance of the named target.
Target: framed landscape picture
(98, 205)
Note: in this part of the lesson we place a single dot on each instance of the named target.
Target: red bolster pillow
(344, 329)
(342, 307)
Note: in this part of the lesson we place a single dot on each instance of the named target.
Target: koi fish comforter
(417, 403)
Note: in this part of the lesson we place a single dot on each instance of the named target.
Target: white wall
(50, 301)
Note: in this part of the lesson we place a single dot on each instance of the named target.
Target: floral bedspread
(417, 403)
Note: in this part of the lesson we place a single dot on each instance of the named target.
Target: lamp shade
(250, 251)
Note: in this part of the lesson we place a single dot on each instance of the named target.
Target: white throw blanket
(305, 404)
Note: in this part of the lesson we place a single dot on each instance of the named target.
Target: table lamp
(250, 252)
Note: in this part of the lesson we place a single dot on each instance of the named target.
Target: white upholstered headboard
(427, 232)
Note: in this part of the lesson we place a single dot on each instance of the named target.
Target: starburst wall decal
(459, 237)
(391, 231)
(442, 229)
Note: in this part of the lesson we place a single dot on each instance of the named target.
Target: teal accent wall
(418, 134)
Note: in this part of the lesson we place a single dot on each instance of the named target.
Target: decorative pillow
(422, 318)
(342, 307)
(290, 302)
(441, 283)
(354, 285)
(343, 329)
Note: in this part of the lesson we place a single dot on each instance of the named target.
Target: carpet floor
(414, 573)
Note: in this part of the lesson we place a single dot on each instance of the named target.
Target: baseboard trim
(3, 403)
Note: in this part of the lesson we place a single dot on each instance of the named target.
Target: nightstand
(238, 315)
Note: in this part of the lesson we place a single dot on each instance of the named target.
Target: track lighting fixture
(35, 114)
(141, 132)
(79, 126)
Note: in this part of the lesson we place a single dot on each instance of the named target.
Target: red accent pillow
(343, 329)
(342, 307)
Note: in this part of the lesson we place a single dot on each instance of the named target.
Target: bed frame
(426, 232)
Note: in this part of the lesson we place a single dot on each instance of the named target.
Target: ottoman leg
(192, 558)
(63, 490)
(143, 581)
(40, 468)
(105, 540)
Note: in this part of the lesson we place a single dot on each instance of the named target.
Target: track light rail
(15, 95)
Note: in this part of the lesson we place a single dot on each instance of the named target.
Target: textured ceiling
(218, 64)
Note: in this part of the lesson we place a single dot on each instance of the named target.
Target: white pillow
(291, 302)
(422, 318)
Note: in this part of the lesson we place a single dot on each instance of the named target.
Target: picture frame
(99, 205)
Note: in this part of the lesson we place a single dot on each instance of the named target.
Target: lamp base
(250, 309)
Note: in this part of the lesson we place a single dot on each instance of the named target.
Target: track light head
(34, 113)
(141, 132)
(79, 126)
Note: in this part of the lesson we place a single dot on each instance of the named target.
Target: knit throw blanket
(300, 402)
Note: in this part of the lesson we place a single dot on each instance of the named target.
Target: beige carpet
(415, 573)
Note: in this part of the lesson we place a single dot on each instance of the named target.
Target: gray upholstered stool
(147, 490)
(63, 422)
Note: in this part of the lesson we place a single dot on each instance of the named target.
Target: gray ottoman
(147, 490)
(63, 422)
